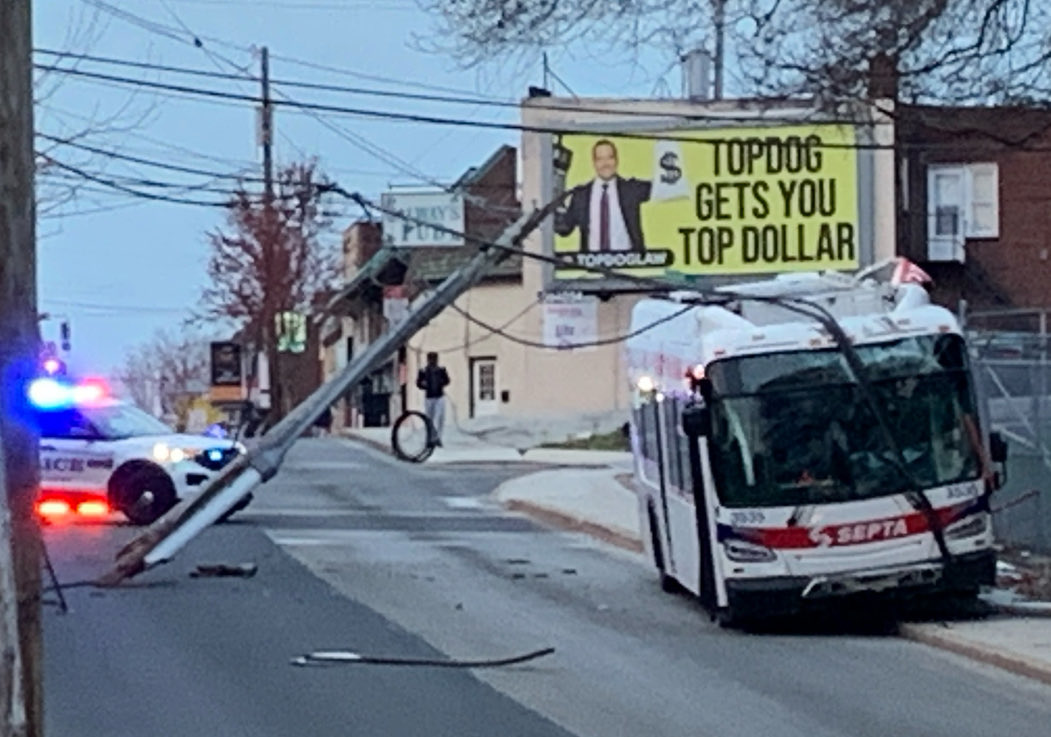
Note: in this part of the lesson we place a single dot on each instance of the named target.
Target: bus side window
(684, 459)
(671, 433)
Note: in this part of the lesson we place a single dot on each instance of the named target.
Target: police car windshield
(118, 421)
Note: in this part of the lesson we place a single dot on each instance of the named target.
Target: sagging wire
(918, 497)
(345, 657)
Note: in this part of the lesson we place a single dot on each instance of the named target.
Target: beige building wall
(531, 382)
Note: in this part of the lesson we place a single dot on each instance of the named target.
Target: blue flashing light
(47, 393)
(215, 455)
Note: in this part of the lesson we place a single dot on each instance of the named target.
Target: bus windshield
(792, 428)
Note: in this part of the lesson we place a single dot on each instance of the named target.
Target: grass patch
(600, 441)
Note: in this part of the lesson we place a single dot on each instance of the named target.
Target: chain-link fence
(1012, 364)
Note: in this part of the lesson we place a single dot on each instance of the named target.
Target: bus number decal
(963, 491)
(747, 518)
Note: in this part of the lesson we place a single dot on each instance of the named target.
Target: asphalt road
(415, 562)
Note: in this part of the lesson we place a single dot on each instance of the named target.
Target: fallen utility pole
(169, 534)
(21, 650)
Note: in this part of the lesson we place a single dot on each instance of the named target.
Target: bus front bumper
(765, 597)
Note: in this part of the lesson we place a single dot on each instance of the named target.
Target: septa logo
(820, 537)
(866, 532)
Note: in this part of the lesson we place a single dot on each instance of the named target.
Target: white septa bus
(765, 483)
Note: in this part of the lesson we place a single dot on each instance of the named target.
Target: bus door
(695, 424)
(681, 517)
(651, 466)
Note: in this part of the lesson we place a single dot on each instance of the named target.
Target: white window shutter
(983, 217)
(946, 199)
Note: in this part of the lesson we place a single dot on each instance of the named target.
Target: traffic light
(65, 334)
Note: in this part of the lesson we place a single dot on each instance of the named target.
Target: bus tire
(668, 584)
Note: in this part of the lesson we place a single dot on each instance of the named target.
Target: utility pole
(268, 330)
(720, 43)
(266, 130)
(21, 676)
(165, 537)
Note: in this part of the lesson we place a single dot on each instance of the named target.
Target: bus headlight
(743, 552)
(967, 527)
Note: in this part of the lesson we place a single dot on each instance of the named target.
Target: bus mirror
(704, 388)
(997, 448)
(696, 420)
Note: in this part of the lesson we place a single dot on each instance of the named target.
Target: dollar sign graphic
(670, 164)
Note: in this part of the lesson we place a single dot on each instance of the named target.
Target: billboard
(226, 363)
(443, 209)
(710, 202)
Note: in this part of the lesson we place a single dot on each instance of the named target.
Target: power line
(303, 6)
(147, 162)
(536, 104)
(419, 117)
(493, 330)
(119, 308)
(132, 191)
(174, 34)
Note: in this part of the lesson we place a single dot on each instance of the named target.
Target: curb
(374, 444)
(557, 518)
(1013, 663)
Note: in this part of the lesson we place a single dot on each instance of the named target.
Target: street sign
(226, 363)
(291, 332)
(395, 304)
(420, 211)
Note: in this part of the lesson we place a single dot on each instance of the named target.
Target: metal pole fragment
(169, 534)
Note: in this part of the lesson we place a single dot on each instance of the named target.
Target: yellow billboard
(708, 202)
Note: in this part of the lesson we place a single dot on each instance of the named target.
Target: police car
(100, 454)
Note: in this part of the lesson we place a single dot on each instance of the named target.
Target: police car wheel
(143, 493)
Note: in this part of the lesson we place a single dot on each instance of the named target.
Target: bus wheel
(668, 584)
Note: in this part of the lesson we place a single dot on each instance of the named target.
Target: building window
(963, 201)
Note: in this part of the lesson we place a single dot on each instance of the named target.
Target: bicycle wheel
(411, 437)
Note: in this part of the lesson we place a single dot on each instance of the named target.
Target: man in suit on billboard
(606, 210)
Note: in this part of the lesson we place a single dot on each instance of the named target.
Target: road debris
(223, 570)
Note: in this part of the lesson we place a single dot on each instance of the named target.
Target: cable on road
(344, 657)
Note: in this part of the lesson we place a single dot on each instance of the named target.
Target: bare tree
(951, 51)
(167, 370)
(57, 186)
(272, 259)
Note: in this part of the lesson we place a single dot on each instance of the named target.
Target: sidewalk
(462, 448)
(601, 502)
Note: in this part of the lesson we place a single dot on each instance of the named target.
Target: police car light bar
(48, 393)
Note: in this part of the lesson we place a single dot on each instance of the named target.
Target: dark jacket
(631, 193)
(433, 380)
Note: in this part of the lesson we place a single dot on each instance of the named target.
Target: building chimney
(883, 77)
(697, 75)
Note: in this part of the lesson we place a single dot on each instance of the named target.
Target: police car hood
(187, 442)
(197, 442)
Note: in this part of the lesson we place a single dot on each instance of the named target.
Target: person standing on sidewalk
(433, 379)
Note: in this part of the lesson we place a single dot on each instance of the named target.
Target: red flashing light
(93, 508)
(51, 508)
